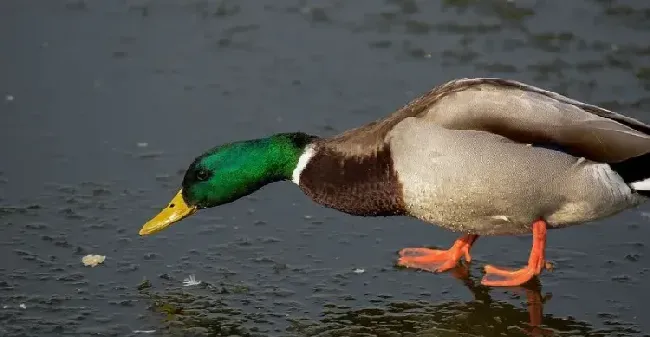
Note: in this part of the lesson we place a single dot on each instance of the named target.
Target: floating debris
(359, 271)
(93, 260)
(191, 281)
(144, 284)
(9, 98)
(144, 331)
(23, 306)
(143, 144)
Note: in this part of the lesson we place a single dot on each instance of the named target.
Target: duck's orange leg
(501, 277)
(435, 260)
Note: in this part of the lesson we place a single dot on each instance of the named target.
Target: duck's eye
(202, 175)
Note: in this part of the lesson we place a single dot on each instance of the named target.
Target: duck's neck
(284, 151)
(308, 152)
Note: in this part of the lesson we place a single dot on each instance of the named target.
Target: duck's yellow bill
(176, 211)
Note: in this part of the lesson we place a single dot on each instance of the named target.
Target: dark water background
(84, 83)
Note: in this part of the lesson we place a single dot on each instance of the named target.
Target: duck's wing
(531, 115)
(517, 111)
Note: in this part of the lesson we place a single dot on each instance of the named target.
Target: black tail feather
(635, 170)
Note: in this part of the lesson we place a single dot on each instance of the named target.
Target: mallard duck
(480, 157)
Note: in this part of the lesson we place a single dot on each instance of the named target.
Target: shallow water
(105, 103)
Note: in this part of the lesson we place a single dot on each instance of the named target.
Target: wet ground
(105, 103)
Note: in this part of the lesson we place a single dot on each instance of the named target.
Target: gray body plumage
(481, 183)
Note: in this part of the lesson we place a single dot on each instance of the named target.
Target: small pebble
(9, 98)
(143, 144)
(359, 271)
(23, 306)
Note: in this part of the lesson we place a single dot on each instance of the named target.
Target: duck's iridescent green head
(230, 171)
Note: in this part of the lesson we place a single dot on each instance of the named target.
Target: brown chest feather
(366, 186)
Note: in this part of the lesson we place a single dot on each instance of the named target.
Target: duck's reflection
(481, 316)
(532, 290)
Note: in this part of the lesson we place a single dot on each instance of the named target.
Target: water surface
(105, 103)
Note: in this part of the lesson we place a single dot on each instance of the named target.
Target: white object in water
(93, 260)
(191, 281)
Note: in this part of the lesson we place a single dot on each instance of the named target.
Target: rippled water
(105, 103)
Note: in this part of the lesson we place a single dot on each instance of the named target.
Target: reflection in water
(483, 316)
(213, 310)
(534, 300)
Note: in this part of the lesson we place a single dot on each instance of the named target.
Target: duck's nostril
(171, 205)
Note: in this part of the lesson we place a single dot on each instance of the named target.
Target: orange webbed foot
(432, 260)
(435, 260)
(500, 277)
(504, 277)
